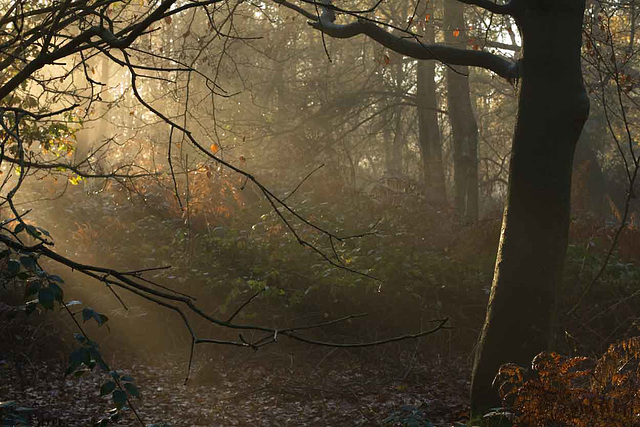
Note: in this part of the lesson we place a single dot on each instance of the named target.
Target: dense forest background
(331, 205)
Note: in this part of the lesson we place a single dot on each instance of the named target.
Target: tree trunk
(589, 192)
(396, 144)
(464, 128)
(553, 107)
(429, 131)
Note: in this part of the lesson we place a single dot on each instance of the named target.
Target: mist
(240, 213)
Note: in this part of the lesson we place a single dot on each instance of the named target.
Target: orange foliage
(85, 234)
(576, 391)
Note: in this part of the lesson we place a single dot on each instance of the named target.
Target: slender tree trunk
(553, 107)
(429, 131)
(464, 128)
(395, 144)
(590, 194)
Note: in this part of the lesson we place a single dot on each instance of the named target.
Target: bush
(575, 391)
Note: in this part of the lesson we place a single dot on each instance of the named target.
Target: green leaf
(31, 306)
(102, 364)
(54, 278)
(18, 228)
(33, 231)
(101, 319)
(86, 356)
(119, 398)
(58, 293)
(80, 372)
(28, 262)
(133, 390)
(13, 267)
(127, 379)
(43, 231)
(46, 298)
(75, 360)
(107, 388)
(87, 313)
(95, 354)
(33, 288)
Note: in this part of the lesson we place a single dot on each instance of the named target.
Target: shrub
(575, 391)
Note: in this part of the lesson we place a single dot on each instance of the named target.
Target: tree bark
(395, 144)
(553, 107)
(464, 128)
(589, 195)
(429, 130)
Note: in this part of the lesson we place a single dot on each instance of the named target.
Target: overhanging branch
(500, 9)
(410, 45)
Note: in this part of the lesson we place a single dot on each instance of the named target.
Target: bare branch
(410, 45)
(507, 8)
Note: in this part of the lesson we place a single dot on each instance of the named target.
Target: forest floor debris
(252, 393)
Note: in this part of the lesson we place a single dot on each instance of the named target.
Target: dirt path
(252, 393)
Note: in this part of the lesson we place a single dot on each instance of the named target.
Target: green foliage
(11, 414)
(89, 313)
(408, 416)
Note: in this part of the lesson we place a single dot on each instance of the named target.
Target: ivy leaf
(13, 267)
(132, 389)
(46, 298)
(28, 262)
(58, 293)
(33, 288)
(76, 358)
(107, 388)
(119, 398)
(33, 231)
(43, 231)
(87, 313)
(54, 278)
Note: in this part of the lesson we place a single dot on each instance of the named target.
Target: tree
(552, 109)
(48, 88)
(429, 131)
(464, 129)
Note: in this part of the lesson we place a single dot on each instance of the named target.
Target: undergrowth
(575, 391)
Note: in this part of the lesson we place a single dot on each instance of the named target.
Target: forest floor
(338, 389)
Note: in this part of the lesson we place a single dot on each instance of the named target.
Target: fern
(575, 391)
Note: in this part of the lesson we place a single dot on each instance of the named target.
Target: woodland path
(338, 390)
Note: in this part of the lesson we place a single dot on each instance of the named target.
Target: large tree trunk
(429, 131)
(553, 107)
(464, 128)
